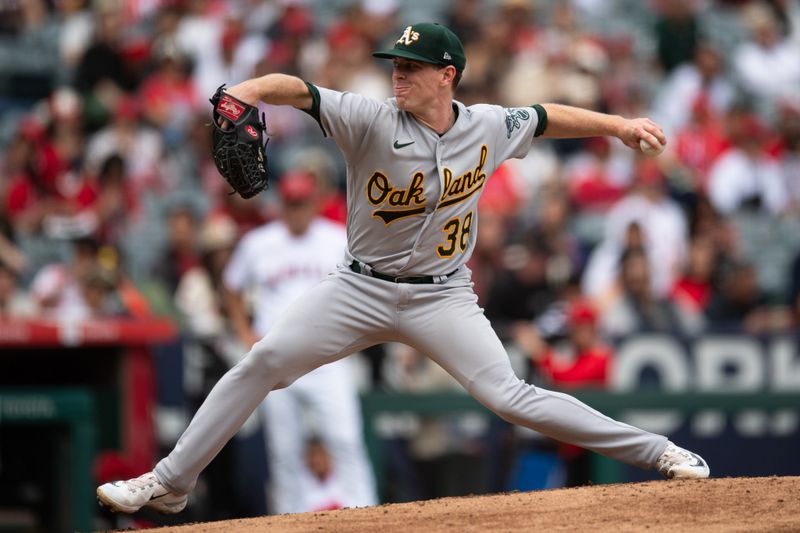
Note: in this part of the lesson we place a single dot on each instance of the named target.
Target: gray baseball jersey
(412, 194)
(412, 197)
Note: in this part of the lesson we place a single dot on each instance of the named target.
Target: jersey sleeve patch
(514, 118)
(314, 111)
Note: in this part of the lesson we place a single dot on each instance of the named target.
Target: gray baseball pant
(348, 312)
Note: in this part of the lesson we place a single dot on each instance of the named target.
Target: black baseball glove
(238, 146)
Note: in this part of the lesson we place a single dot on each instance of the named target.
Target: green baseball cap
(428, 42)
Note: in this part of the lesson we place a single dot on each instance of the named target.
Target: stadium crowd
(110, 202)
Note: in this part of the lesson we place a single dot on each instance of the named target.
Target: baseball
(648, 149)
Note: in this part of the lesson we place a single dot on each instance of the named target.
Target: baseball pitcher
(416, 166)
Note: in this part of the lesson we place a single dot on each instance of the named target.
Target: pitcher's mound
(709, 505)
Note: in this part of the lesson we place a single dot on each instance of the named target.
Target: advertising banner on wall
(744, 439)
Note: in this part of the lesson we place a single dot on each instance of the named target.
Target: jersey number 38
(456, 231)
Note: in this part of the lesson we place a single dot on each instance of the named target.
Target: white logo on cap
(447, 56)
(408, 36)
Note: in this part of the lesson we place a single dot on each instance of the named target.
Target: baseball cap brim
(405, 54)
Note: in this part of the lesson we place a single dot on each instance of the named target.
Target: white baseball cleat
(677, 463)
(144, 491)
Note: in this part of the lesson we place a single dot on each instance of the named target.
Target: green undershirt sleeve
(541, 113)
(314, 111)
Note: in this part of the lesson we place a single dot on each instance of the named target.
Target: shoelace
(141, 482)
(674, 456)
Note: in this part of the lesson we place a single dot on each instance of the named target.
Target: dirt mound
(728, 504)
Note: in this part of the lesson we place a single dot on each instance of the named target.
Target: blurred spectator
(508, 55)
(636, 308)
(692, 290)
(695, 148)
(288, 35)
(261, 15)
(738, 302)
(181, 253)
(627, 86)
(697, 90)
(111, 200)
(558, 62)
(464, 18)
(522, 181)
(562, 32)
(247, 214)
(318, 163)
(63, 114)
(188, 168)
(520, 291)
(488, 62)
(598, 176)
(767, 64)
(168, 97)
(380, 20)
(599, 278)
(551, 229)
(15, 301)
(30, 192)
(349, 68)
(707, 222)
(200, 300)
(130, 301)
(324, 487)
(677, 33)
(518, 17)
(77, 28)
(103, 73)
(48, 194)
(61, 289)
(199, 27)
(583, 361)
(140, 146)
(745, 176)
(99, 292)
(663, 231)
(221, 49)
(162, 32)
(552, 325)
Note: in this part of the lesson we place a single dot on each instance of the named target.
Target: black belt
(355, 266)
